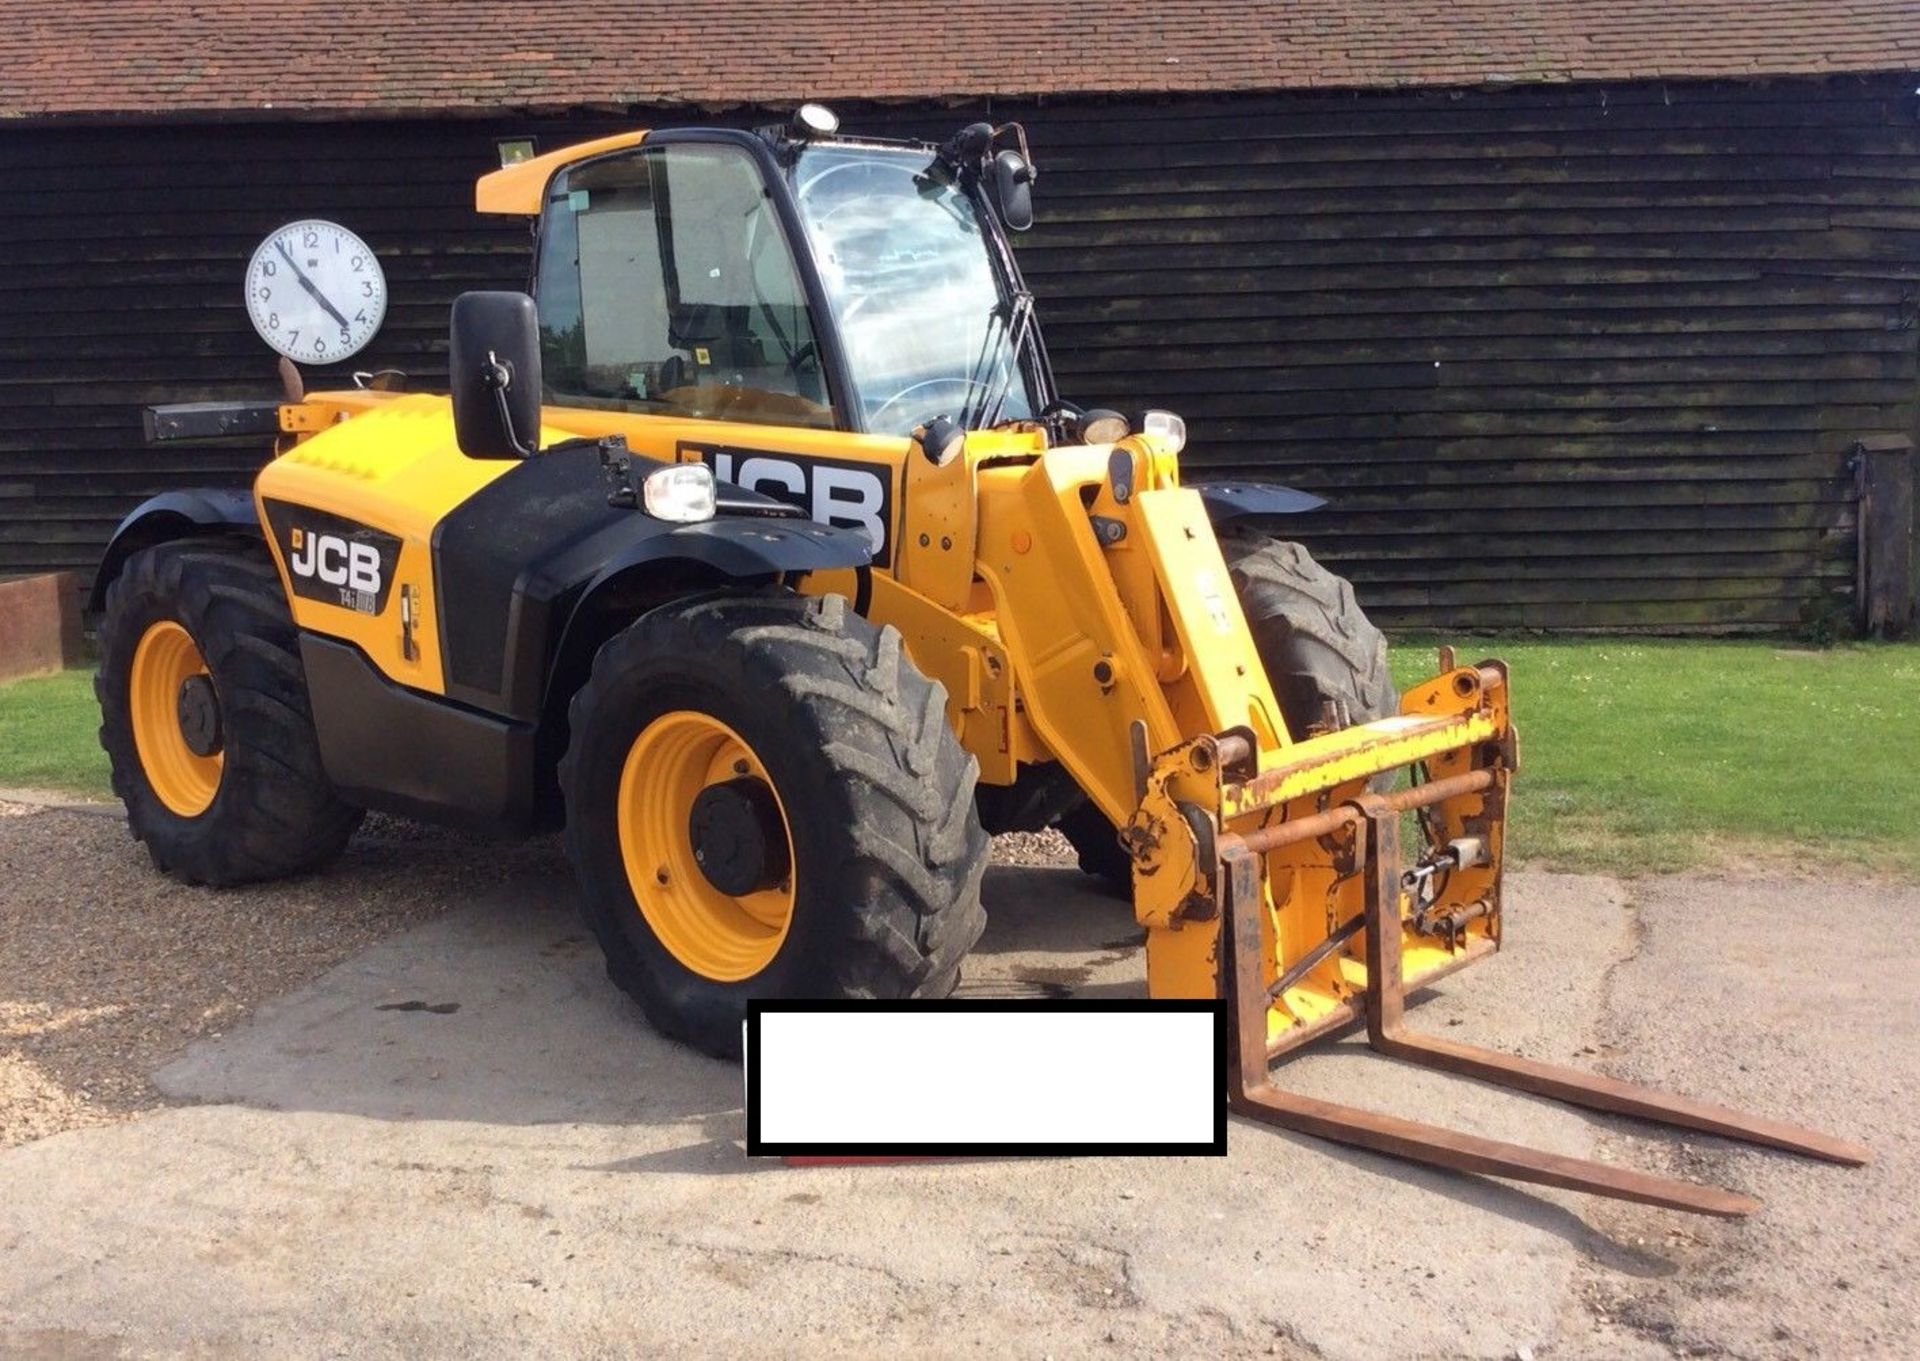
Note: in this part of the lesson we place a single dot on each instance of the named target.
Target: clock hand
(307, 284)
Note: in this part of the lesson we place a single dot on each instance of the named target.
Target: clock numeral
(266, 295)
(319, 344)
(346, 336)
(268, 268)
(361, 316)
(311, 240)
(273, 321)
(295, 340)
(359, 261)
(366, 288)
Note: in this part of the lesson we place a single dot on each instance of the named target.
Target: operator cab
(788, 276)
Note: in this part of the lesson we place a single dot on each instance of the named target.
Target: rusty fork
(1253, 1093)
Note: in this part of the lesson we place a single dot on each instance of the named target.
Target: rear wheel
(1325, 660)
(764, 800)
(204, 717)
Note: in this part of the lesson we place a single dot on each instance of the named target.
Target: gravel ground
(108, 968)
(1032, 848)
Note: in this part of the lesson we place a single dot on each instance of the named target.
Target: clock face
(315, 292)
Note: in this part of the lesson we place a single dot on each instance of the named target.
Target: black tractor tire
(888, 852)
(1317, 644)
(273, 813)
(1324, 659)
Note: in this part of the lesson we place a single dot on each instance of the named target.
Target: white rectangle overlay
(984, 1076)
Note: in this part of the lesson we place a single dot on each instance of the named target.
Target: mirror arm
(1020, 137)
(498, 377)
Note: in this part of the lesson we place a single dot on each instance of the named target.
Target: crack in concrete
(694, 1245)
(1643, 1312)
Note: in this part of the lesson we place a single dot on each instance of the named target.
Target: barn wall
(1563, 358)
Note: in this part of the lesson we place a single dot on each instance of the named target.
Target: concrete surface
(464, 1140)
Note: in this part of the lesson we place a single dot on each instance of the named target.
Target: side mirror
(493, 363)
(1010, 179)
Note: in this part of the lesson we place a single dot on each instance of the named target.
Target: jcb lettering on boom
(853, 495)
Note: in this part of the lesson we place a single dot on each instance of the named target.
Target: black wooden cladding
(1561, 357)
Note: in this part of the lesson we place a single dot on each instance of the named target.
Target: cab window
(666, 286)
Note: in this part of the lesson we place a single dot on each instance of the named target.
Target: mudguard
(1229, 501)
(173, 515)
(521, 559)
(737, 548)
(745, 547)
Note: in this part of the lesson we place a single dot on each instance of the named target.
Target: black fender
(659, 565)
(523, 561)
(1230, 501)
(173, 515)
(744, 546)
(663, 563)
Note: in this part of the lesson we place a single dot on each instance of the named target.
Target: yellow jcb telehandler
(756, 548)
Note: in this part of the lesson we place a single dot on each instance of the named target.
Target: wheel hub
(198, 708)
(739, 839)
(175, 714)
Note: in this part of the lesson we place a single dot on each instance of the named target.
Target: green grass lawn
(1664, 754)
(1635, 755)
(48, 735)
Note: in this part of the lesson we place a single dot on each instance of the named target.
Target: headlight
(1167, 427)
(683, 493)
(1101, 426)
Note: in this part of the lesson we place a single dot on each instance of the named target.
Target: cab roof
(517, 188)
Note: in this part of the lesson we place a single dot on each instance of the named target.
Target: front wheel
(764, 800)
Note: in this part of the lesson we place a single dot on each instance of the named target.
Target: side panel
(362, 498)
(392, 748)
(504, 558)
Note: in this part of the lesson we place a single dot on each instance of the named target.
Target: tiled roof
(291, 57)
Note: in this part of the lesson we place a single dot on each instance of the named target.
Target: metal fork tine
(1606, 1094)
(1460, 1152)
(1387, 1032)
(1253, 1094)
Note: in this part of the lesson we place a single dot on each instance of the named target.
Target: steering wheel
(970, 386)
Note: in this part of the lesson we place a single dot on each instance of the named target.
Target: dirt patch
(108, 968)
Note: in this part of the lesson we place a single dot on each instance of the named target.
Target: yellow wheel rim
(164, 660)
(717, 935)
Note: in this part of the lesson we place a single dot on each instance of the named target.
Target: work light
(1167, 427)
(683, 493)
(815, 120)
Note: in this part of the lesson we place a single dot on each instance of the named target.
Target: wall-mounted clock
(315, 292)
